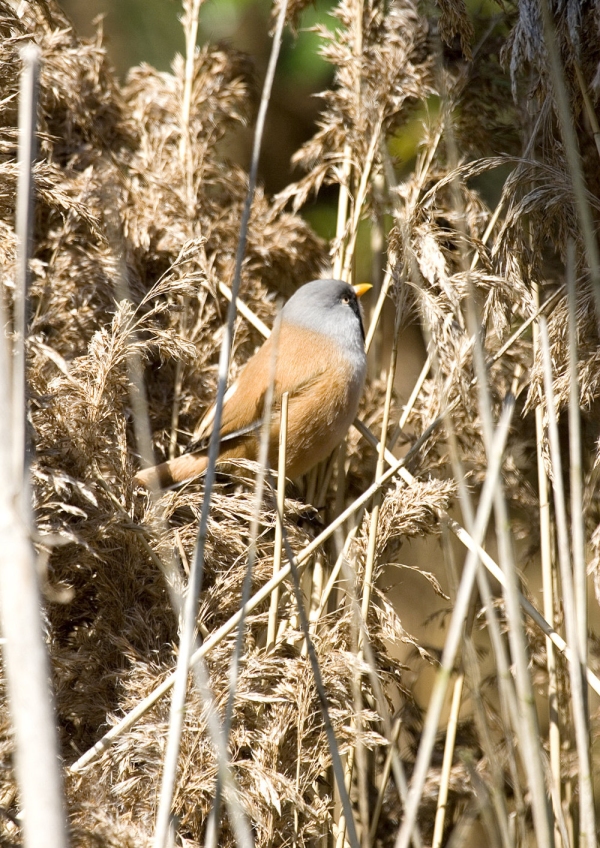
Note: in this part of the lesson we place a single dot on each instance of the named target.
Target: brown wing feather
(322, 403)
(294, 374)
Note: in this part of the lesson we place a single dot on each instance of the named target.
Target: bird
(320, 360)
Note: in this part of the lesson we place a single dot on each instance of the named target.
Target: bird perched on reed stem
(319, 359)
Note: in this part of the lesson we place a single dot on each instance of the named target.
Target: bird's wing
(244, 400)
(204, 428)
(242, 403)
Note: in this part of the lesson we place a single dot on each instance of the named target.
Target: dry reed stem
(25, 658)
(507, 696)
(576, 471)
(548, 596)
(342, 213)
(383, 293)
(245, 310)
(212, 834)
(350, 825)
(468, 661)
(540, 310)
(578, 699)
(390, 731)
(28, 101)
(340, 263)
(408, 406)
(469, 542)
(577, 517)
(508, 702)
(492, 799)
(571, 148)
(335, 572)
(368, 576)
(26, 663)
(454, 632)
(195, 581)
(384, 778)
(526, 727)
(281, 479)
(190, 27)
(374, 520)
(359, 201)
(451, 726)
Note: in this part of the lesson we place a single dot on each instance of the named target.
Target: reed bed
(426, 674)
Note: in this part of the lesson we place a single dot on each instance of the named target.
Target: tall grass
(375, 661)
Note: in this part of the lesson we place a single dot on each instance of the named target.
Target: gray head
(330, 307)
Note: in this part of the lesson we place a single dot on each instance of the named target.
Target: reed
(403, 651)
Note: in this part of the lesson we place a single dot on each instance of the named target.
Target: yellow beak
(363, 288)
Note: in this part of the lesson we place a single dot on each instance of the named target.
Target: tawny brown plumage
(321, 368)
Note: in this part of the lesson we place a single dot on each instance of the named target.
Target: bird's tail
(174, 471)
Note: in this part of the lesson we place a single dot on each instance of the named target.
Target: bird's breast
(325, 383)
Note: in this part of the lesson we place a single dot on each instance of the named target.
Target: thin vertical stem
(576, 671)
(455, 629)
(408, 407)
(527, 725)
(348, 773)
(335, 572)
(272, 626)
(575, 469)
(190, 22)
(377, 273)
(36, 755)
(341, 263)
(369, 566)
(470, 664)
(571, 148)
(177, 386)
(370, 563)
(548, 592)
(30, 55)
(190, 25)
(338, 770)
(37, 762)
(361, 195)
(385, 776)
(342, 212)
(376, 314)
(195, 581)
(212, 829)
(380, 701)
(440, 813)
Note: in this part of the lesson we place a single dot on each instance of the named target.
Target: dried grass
(131, 242)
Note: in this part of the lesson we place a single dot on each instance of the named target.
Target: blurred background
(150, 31)
(137, 31)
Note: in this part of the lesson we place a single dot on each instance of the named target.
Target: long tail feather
(174, 471)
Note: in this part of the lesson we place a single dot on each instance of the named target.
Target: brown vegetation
(137, 224)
